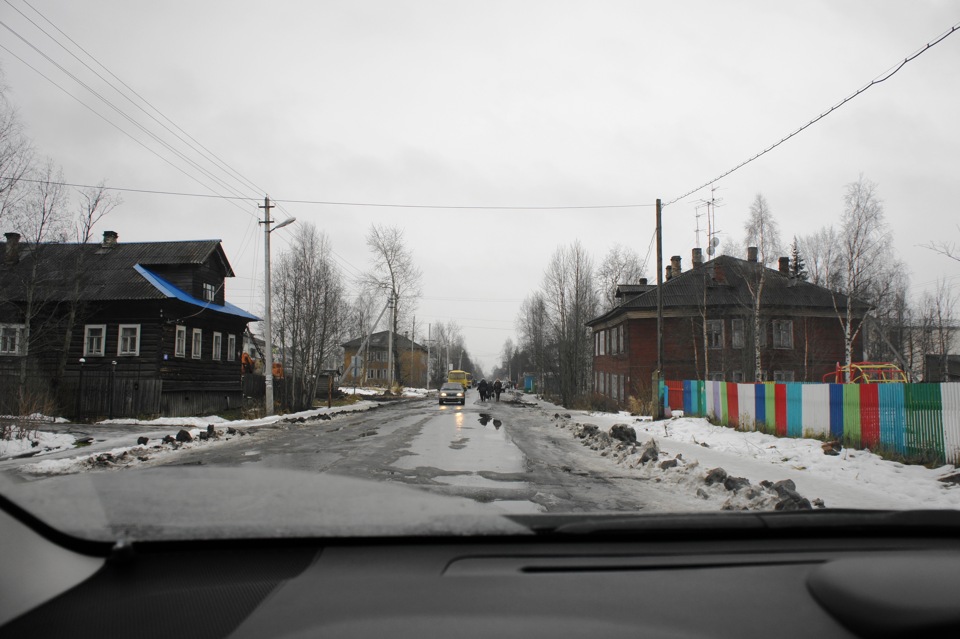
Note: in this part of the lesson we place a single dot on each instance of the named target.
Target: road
(507, 454)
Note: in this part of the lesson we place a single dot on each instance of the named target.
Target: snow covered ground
(115, 452)
(852, 479)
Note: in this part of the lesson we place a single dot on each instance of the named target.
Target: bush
(595, 402)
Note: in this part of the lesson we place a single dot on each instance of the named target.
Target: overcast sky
(498, 104)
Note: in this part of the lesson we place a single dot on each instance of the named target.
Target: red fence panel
(869, 415)
(780, 396)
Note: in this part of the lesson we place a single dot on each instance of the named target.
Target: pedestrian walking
(497, 387)
(484, 390)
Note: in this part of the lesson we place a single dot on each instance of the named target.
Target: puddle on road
(517, 507)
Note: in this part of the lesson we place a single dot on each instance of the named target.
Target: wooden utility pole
(658, 376)
(268, 328)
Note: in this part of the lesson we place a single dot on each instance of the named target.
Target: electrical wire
(881, 78)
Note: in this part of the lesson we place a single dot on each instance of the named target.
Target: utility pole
(658, 376)
(393, 319)
(268, 328)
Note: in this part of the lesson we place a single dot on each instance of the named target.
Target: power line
(217, 161)
(881, 78)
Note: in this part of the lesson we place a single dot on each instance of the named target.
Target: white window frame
(736, 333)
(711, 333)
(231, 347)
(217, 345)
(180, 341)
(86, 340)
(783, 376)
(196, 343)
(18, 346)
(209, 292)
(121, 351)
(783, 334)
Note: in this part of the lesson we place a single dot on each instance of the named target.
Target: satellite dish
(711, 250)
(714, 242)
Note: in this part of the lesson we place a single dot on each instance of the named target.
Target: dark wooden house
(708, 328)
(122, 330)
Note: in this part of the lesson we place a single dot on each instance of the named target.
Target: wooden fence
(915, 420)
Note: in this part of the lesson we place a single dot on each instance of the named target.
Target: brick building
(708, 327)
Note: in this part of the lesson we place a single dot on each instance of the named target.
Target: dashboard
(605, 579)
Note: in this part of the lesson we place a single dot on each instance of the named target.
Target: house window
(10, 337)
(197, 343)
(737, 377)
(715, 376)
(783, 333)
(180, 343)
(370, 373)
(209, 292)
(217, 344)
(129, 342)
(94, 340)
(715, 333)
(231, 347)
(736, 333)
(596, 343)
(782, 376)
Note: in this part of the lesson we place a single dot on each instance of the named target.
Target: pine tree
(798, 268)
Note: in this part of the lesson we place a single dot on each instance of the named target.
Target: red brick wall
(817, 347)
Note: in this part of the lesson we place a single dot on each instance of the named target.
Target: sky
(524, 107)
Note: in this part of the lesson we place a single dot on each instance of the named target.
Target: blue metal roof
(170, 290)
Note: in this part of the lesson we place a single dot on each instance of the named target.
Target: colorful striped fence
(916, 420)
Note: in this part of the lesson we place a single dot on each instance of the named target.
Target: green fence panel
(924, 412)
(851, 414)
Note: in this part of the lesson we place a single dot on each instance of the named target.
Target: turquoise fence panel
(851, 414)
(893, 417)
(924, 421)
(794, 410)
(747, 394)
(950, 405)
(816, 409)
(836, 410)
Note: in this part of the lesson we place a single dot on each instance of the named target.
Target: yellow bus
(460, 377)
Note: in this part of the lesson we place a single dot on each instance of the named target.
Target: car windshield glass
(422, 268)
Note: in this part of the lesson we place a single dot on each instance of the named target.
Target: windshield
(706, 262)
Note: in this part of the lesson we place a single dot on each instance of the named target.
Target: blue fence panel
(760, 403)
(836, 410)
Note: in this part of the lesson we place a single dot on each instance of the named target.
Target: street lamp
(268, 328)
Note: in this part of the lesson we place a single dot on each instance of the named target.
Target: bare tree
(571, 300)
(16, 157)
(311, 312)
(864, 252)
(532, 329)
(622, 265)
(761, 232)
(395, 273)
(95, 203)
(822, 252)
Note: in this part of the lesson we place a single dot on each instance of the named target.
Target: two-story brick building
(708, 327)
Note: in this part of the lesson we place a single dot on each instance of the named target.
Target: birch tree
(864, 251)
(760, 231)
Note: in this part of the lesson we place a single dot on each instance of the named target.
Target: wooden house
(410, 356)
(120, 329)
(708, 328)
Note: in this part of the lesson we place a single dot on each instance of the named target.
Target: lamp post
(268, 328)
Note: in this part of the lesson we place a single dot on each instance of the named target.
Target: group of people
(488, 390)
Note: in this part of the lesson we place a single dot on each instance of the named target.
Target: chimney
(669, 272)
(12, 253)
(785, 265)
(675, 265)
(642, 281)
(697, 257)
(751, 253)
(109, 239)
